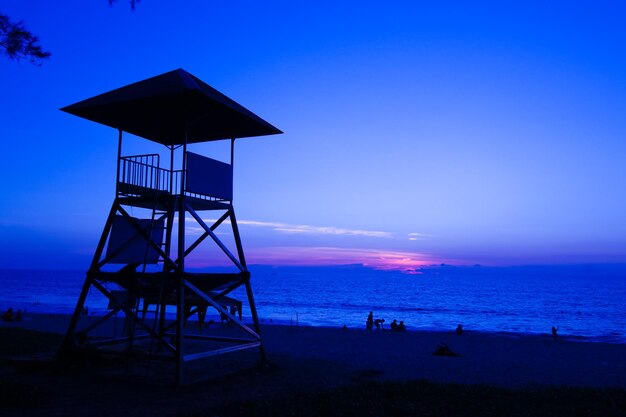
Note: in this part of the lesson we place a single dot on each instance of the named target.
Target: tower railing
(141, 175)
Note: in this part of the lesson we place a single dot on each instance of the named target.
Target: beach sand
(304, 359)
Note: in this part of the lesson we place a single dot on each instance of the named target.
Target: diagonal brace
(128, 312)
(121, 248)
(215, 238)
(205, 234)
(145, 236)
(222, 310)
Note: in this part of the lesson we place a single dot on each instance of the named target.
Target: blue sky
(414, 132)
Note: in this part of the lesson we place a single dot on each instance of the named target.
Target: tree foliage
(18, 43)
(132, 3)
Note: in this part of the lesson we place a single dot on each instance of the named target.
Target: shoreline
(33, 321)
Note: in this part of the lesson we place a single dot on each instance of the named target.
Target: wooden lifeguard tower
(142, 259)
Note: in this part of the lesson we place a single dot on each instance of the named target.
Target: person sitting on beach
(401, 326)
(379, 323)
(369, 324)
(459, 330)
(394, 325)
(444, 350)
(554, 332)
(8, 315)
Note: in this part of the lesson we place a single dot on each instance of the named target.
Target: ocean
(585, 301)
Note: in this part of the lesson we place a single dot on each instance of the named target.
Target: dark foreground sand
(310, 359)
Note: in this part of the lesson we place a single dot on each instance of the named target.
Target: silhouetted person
(369, 324)
(201, 315)
(401, 326)
(8, 315)
(379, 323)
(459, 330)
(234, 310)
(394, 325)
(444, 350)
(554, 332)
(18, 315)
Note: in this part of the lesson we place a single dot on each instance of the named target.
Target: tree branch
(18, 43)
(132, 3)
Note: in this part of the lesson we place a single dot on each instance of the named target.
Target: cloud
(297, 229)
(408, 262)
(417, 236)
(193, 230)
(304, 229)
(374, 258)
(316, 230)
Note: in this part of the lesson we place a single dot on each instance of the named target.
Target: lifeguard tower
(140, 260)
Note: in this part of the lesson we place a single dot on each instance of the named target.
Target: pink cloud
(374, 258)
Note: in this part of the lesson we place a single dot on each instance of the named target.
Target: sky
(415, 132)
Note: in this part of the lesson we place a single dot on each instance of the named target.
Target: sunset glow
(378, 259)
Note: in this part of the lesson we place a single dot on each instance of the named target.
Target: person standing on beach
(369, 324)
(8, 315)
(554, 332)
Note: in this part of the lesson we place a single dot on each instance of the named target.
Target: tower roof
(171, 106)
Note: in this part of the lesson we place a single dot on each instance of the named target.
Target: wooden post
(180, 308)
(119, 157)
(87, 284)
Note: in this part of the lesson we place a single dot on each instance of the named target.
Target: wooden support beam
(255, 317)
(231, 288)
(219, 338)
(205, 234)
(202, 355)
(67, 341)
(215, 239)
(116, 340)
(180, 271)
(134, 316)
(99, 321)
(233, 223)
(222, 310)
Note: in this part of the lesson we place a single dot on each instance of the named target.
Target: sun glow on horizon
(326, 256)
